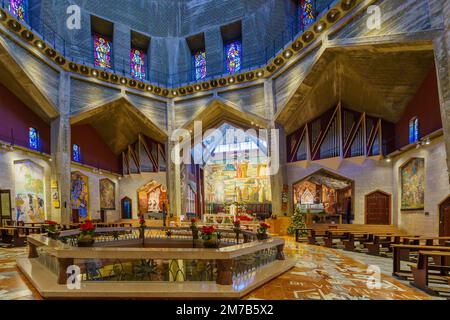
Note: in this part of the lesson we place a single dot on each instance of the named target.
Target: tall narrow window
(414, 134)
(199, 65)
(137, 60)
(33, 138)
(102, 51)
(233, 56)
(19, 8)
(306, 13)
(76, 153)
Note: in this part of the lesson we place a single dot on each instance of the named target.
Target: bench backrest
(358, 228)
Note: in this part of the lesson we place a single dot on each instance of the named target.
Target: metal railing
(252, 59)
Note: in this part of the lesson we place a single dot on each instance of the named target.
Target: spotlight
(175, 93)
(259, 74)
(50, 159)
(94, 73)
(123, 81)
(388, 160)
(198, 88)
(39, 44)
(231, 80)
(428, 142)
(287, 54)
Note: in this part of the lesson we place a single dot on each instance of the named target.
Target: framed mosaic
(107, 195)
(79, 194)
(412, 176)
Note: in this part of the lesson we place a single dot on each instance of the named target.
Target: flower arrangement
(245, 218)
(142, 221)
(193, 223)
(262, 231)
(87, 232)
(209, 237)
(237, 225)
(52, 229)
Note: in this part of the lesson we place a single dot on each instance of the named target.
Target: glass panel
(200, 65)
(306, 13)
(19, 8)
(76, 153)
(137, 60)
(33, 138)
(102, 51)
(233, 56)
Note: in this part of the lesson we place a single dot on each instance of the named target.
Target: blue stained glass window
(137, 60)
(233, 56)
(76, 153)
(33, 136)
(199, 65)
(306, 13)
(19, 8)
(414, 131)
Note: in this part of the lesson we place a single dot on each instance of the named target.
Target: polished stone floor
(320, 274)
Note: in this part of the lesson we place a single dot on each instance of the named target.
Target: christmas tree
(298, 222)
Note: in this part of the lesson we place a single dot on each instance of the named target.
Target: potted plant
(52, 229)
(209, 237)
(87, 232)
(194, 228)
(262, 231)
(142, 221)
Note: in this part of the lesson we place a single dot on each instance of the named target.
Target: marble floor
(320, 274)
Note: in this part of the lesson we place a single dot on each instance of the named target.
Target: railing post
(32, 251)
(280, 252)
(64, 264)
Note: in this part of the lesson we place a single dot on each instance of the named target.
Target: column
(440, 18)
(277, 144)
(173, 170)
(61, 151)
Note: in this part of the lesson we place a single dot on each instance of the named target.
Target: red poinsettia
(87, 227)
(50, 222)
(193, 221)
(264, 225)
(245, 218)
(208, 230)
(141, 221)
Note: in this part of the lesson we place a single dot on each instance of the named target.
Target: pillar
(173, 170)
(440, 19)
(61, 151)
(277, 144)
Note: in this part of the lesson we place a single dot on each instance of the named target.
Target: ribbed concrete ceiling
(380, 81)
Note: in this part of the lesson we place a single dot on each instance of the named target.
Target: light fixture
(231, 80)
(259, 74)
(94, 73)
(197, 87)
(388, 160)
(174, 92)
(50, 159)
(287, 54)
(123, 81)
(39, 44)
(428, 142)
(418, 146)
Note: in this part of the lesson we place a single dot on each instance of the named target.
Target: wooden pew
(16, 236)
(401, 252)
(421, 271)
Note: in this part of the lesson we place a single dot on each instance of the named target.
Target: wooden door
(444, 218)
(5, 206)
(378, 208)
(126, 208)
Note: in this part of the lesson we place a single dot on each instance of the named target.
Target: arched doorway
(444, 218)
(127, 212)
(378, 208)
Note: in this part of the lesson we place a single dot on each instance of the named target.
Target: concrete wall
(368, 177)
(94, 193)
(129, 184)
(7, 178)
(437, 189)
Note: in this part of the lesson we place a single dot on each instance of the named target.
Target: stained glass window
(33, 136)
(137, 60)
(199, 65)
(19, 8)
(233, 56)
(102, 51)
(414, 130)
(306, 13)
(76, 153)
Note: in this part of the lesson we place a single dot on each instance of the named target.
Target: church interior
(237, 149)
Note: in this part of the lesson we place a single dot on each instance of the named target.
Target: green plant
(298, 223)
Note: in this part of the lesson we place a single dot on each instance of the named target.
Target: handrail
(215, 66)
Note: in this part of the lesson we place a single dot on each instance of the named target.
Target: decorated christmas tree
(298, 222)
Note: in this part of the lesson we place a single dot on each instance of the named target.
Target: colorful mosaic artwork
(19, 8)
(199, 65)
(233, 56)
(29, 185)
(137, 60)
(33, 139)
(306, 13)
(102, 51)
(79, 194)
(151, 197)
(412, 176)
(107, 195)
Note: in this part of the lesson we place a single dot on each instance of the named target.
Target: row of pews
(427, 259)
(16, 235)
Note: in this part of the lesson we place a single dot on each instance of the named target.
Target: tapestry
(29, 188)
(412, 176)
(107, 195)
(79, 194)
